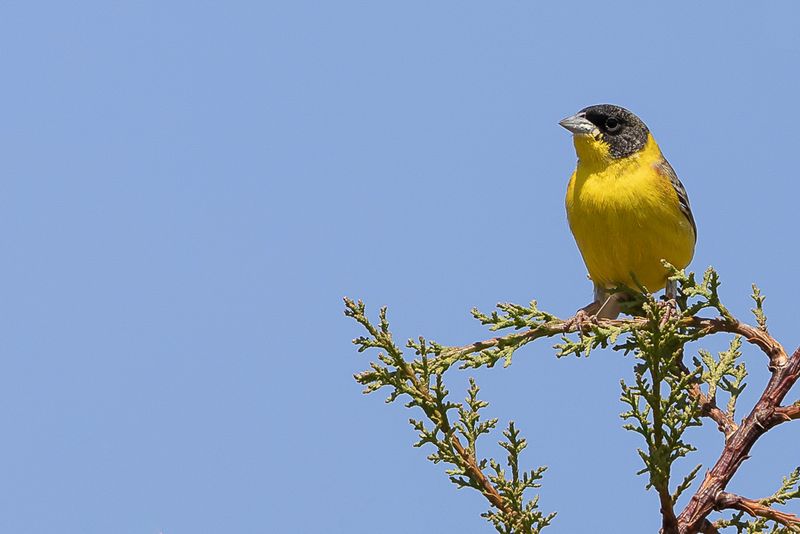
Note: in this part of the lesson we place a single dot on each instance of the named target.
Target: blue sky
(189, 188)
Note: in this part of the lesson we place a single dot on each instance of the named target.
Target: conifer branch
(755, 508)
(789, 412)
(708, 408)
(454, 442)
(703, 326)
(665, 399)
(763, 416)
(760, 338)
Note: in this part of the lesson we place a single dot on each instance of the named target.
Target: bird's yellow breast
(625, 216)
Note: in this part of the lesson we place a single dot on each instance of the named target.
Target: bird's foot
(670, 310)
(583, 319)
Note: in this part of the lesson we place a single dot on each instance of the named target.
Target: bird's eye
(612, 125)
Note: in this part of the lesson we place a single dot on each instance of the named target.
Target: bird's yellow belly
(625, 225)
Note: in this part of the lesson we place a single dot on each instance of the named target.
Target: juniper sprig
(665, 398)
(451, 428)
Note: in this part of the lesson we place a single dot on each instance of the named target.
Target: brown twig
(475, 473)
(769, 345)
(764, 415)
(709, 408)
(545, 330)
(755, 508)
(789, 412)
(669, 521)
(470, 463)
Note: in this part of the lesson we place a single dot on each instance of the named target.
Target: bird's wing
(665, 169)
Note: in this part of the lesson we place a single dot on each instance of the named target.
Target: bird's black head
(622, 131)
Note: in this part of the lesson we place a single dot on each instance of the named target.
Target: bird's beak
(578, 124)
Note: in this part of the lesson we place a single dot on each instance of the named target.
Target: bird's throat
(594, 156)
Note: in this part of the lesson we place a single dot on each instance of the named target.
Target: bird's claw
(670, 306)
(581, 321)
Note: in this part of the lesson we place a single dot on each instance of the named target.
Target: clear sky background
(189, 188)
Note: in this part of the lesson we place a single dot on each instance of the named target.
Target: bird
(626, 208)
